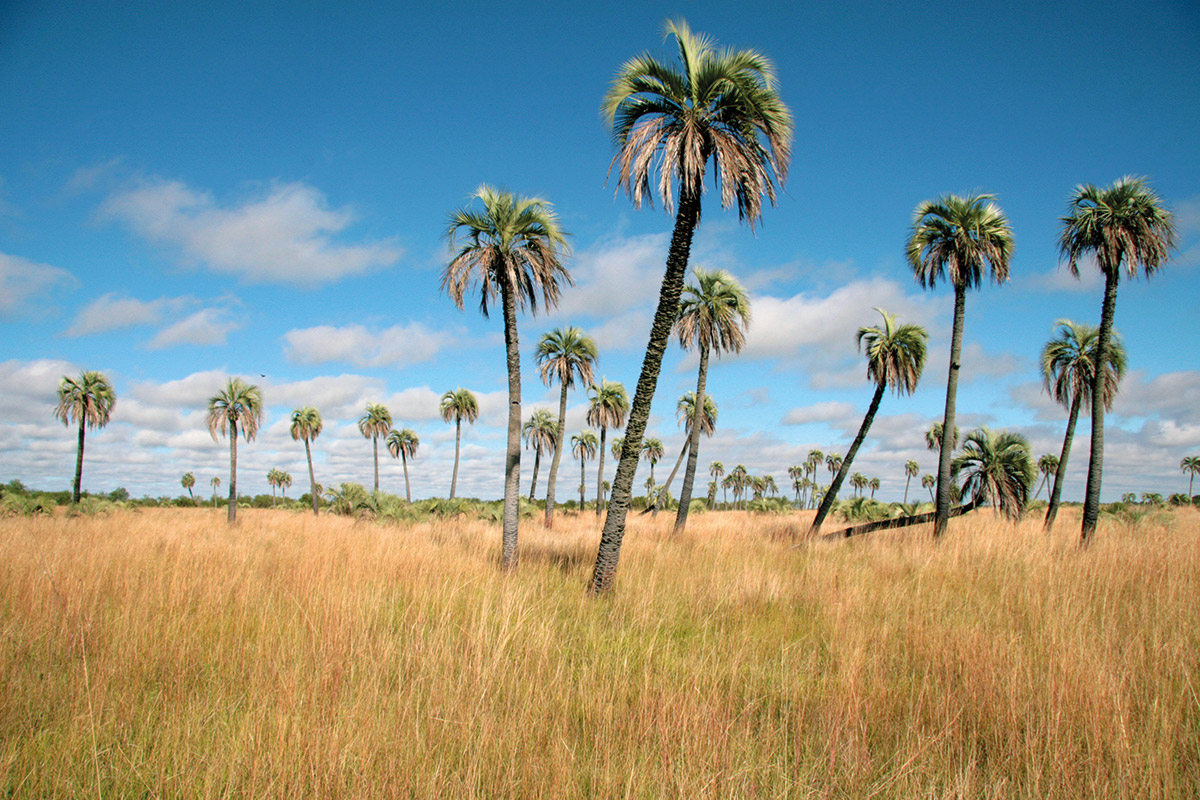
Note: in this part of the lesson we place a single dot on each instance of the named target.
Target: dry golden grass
(162, 654)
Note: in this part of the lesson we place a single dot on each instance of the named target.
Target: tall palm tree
(540, 432)
(895, 360)
(239, 403)
(273, 476)
(857, 480)
(403, 445)
(583, 446)
(652, 449)
(1190, 466)
(951, 239)
(911, 468)
(285, 482)
(739, 479)
(306, 426)
(672, 119)
(1127, 228)
(795, 473)
(685, 413)
(1047, 465)
(188, 481)
(834, 463)
(88, 400)
(811, 464)
(607, 408)
(928, 482)
(933, 438)
(714, 315)
(997, 467)
(373, 425)
(514, 250)
(458, 405)
(564, 355)
(717, 470)
(216, 484)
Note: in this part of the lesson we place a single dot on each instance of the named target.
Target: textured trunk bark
(231, 513)
(537, 460)
(907, 481)
(600, 470)
(831, 495)
(552, 481)
(457, 443)
(1091, 498)
(609, 553)
(512, 461)
(312, 478)
(942, 503)
(375, 449)
(903, 522)
(75, 492)
(689, 474)
(1060, 473)
(407, 488)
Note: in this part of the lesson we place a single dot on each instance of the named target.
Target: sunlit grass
(163, 654)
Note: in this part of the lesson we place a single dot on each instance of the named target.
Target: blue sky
(260, 189)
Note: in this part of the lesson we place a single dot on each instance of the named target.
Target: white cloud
(24, 282)
(1060, 279)
(110, 312)
(829, 411)
(209, 326)
(399, 345)
(610, 276)
(287, 235)
(31, 388)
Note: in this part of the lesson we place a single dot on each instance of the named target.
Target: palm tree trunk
(689, 474)
(942, 504)
(1091, 497)
(1060, 474)
(191, 496)
(407, 488)
(231, 513)
(667, 486)
(75, 492)
(831, 495)
(512, 461)
(375, 447)
(552, 481)
(600, 470)
(609, 553)
(582, 482)
(907, 481)
(457, 443)
(537, 459)
(312, 478)
(904, 522)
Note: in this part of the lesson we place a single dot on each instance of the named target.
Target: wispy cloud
(398, 345)
(109, 312)
(206, 327)
(24, 282)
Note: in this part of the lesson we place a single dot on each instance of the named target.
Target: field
(162, 654)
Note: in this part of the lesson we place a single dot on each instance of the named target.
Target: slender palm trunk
(312, 478)
(903, 522)
(582, 482)
(942, 504)
(512, 461)
(404, 463)
(552, 481)
(191, 496)
(1091, 498)
(457, 443)
(831, 495)
(1061, 472)
(931, 498)
(609, 552)
(1040, 485)
(231, 514)
(666, 487)
(75, 492)
(537, 459)
(689, 474)
(272, 495)
(600, 470)
(907, 481)
(375, 447)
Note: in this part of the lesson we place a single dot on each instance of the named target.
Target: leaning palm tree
(717, 470)
(89, 401)
(457, 406)
(714, 315)
(583, 446)
(928, 482)
(716, 104)
(188, 481)
(911, 468)
(1190, 466)
(216, 484)
(306, 426)
(239, 403)
(895, 360)
(607, 408)
(564, 355)
(1127, 228)
(685, 413)
(996, 467)
(540, 432)
(373, 425)
(1047, 465)
(514, 250)
(403, 445)
(834, 462)
(951, 239)
(874, 484)
(933, 438)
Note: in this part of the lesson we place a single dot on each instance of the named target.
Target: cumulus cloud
(209, 326)
(110, 312)
(611, 275)
(399, 345)
(829, 411)
(24, 283)
(31, 388)
(288, 234)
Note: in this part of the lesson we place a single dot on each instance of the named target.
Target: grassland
(162, 654)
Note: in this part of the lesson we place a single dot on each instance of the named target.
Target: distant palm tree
(895, 360)
(1127, 228)
(685, 414)
(1068, 363)
(996, 467)
(811, 464)
(239, 403)
(607, 408)
(652, 449)
(874, 484)
(1190, 466)
(717, 470)
(285, 482)
(727, 484)
(88, 400)
(188, 481)
(718, 104)
(618, 444)
(273, 481)
(933, 438)
(514, 250)
(540, 432)
(216, 484)
(403, 445)
(714, 315)
(951, 239)
(911, 468)
(857, 480)
(739, 479)
(583, 446)
(457, 406)
(306, 426)
(795, 473)
(375, 424)
(928, 482)
(1047, 465)
(769, 483)
(564, 355)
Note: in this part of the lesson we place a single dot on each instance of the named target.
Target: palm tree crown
(239, 403)
(685, 413)
(89, 401)
(996, 467)
(952, 238)
(714, 313)
(458, 405)
(403, 445)
(1069, 364)
(306, 426)
(1123, 225)
(372, 425)
(895, 353)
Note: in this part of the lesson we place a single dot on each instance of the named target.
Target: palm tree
(714, 315)
(457, 406)
(285, 481)
(717, 104)
(834, 462)
(811, 464)
(306, 426)
(928, 482)
(1127, 228)
(895, 360)
(514, 250)
(88, 400)
(583, 446)
(618, 444)
(1190, 466)
(188, 481)
(795, 473)
(403, 445)
(933, 438)
(717, 470)
(564, 355)
(540, 431)
(607, 408)
(273, 481)
(216, 484)
(1047, 465)
(239, 403)
(996, 467)
(874, 484)
(739, 479)
(652, 449)
(857, 480)
(911, 468)
(372, 425)
(951, 239)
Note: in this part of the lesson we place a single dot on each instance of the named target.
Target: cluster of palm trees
(277, 478)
